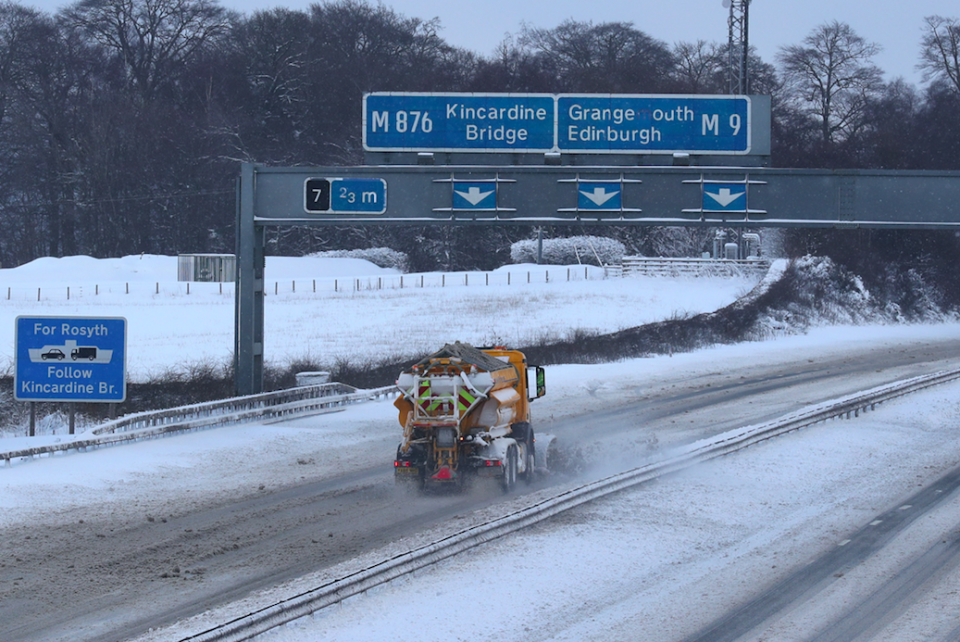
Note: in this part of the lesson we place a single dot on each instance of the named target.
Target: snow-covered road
(169, 525)
(664, 561)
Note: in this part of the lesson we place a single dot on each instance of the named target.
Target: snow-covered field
(172, 329)
(656, 563)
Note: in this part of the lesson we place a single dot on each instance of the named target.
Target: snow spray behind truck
(466, 411)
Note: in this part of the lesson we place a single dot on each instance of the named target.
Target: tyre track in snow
(873, 612)
(113, 579)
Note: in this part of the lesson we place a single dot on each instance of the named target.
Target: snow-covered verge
(815, 291)
(174, 330)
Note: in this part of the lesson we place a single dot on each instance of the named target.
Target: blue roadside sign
(71, 359)
(653, 124)
(458, 122)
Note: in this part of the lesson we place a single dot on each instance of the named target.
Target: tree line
(122, 122)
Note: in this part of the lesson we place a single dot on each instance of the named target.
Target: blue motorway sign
(599, 196)
(653, 124)
(475, 196)
(565, 123)
(724, 197)
(458, 122)
(345, 195)
(71, 359)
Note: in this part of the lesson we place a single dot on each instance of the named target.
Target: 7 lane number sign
(343, 195)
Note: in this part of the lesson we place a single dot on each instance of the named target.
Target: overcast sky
(481, 25)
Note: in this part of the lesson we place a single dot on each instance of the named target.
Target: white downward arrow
(474, 195)
(599, 195)
(724, 197)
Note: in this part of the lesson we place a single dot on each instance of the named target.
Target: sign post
(71, 359)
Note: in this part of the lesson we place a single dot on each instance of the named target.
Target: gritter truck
(465, 413)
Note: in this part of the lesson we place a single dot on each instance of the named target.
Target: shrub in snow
(380, 256)
(570, 251)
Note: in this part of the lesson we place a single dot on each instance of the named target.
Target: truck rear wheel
(509, 480)
(528, 473)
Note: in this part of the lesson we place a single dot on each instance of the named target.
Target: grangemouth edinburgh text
(591, 134)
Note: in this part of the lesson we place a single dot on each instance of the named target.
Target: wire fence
(302, 285)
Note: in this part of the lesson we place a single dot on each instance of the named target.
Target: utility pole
(738, 46)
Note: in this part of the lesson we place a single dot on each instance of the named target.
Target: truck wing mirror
(536, 382)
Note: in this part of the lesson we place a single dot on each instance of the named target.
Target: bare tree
(940, 50)
(831, 77)
(611, 57)
(152, 39)
(700, 66)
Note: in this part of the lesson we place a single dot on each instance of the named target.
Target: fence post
(68, 298)
(188, 287)
(466, 279)
(443, 280)
(38, 298)
(128, 287)
(508, 278)
(158, 287)
(314, 286)
(528, 276)
(547, 277)
(293, 286)
(488, 278)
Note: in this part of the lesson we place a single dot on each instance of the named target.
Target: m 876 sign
(458, 122)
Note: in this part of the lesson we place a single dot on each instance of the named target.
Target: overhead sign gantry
(702, 162)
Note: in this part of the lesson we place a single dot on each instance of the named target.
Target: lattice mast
(738, 46)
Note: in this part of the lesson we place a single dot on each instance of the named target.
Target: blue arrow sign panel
(641, 124)
(599, 196)
(724, 197)
(71, 359)
(458, 122)
(474, 196)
